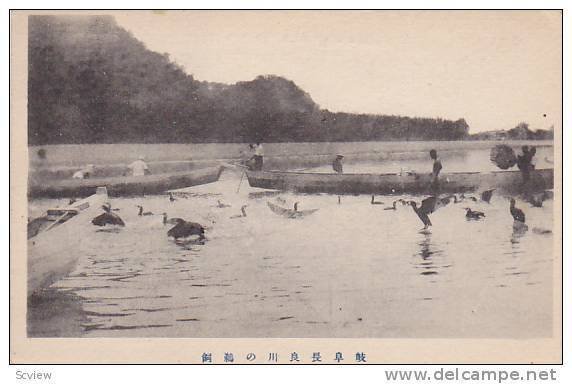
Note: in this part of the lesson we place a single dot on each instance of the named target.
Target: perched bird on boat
(141, 213)
(243, 213)
(516, 213)
(486, 195)
(171, 197)
(185, 229)
(107, 218)
(220, 204)
(373, 200)
(475, 215)
(167, 220)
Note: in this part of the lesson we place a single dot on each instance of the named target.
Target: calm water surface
(349, 270)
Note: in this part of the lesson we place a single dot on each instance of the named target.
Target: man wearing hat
(337, 164)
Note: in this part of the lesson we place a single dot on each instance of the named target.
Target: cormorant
(167, 220)
(476, 215)
(486, 195)
(107, 218)
(393, 206)
(141, 213)
(463, 197)
(516, 213)
(243, 213)
(422, 213)
(375, 202)
(185, 229)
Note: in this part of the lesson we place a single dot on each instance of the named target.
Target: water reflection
(430, 256)
(518, 231)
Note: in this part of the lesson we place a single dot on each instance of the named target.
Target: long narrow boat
(393, 183)
(54, 239)
(123, 185)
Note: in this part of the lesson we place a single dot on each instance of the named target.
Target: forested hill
(91, 81)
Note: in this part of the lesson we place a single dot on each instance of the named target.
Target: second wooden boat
(392, 183)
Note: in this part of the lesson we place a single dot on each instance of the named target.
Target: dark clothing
(437, 167)
(337, 166)
(258, 161)
(524, 163)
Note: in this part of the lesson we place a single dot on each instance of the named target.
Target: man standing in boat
(437, 167)
(337, 164)
(139, 167)
(258, 157)
(525, 163)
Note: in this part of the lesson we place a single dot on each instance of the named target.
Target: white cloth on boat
(138, 167)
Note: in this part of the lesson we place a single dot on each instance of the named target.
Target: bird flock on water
(430, 204)
(183, 230)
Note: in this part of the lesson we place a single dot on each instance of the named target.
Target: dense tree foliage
(91, 81)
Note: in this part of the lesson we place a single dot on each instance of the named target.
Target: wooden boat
(54, 239)
(123, 185)
(290, 213)
(393, 183)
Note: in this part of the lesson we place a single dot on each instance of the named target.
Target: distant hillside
(91, 81)
(520, 132)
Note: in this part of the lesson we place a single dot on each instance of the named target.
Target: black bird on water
(394, 205)
(107, 218)
(475, 215)
(463, 197)
(422, 213)
(220, 204)
(141, 213)
(185, 229)
(516, 213)
(487, 195)
(242, 212)
(428, 206)
(167, 220)
(375, 202)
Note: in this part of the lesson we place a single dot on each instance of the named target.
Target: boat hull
(54, 253)
(124, 185)
(387, 184)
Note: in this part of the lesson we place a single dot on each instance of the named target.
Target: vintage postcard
(286, 187)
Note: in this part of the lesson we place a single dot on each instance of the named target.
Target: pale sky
(493, 68)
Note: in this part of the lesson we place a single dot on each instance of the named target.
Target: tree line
(91, 81)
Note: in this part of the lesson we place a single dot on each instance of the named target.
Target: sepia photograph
(250, 174)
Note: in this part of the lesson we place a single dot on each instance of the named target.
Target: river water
(349, 270)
